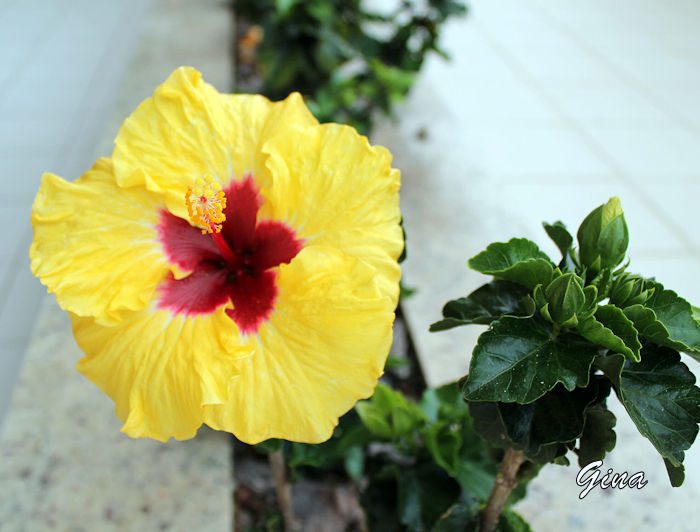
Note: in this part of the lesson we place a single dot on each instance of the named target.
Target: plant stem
(555, 330)
(505, 483)
(282, 489)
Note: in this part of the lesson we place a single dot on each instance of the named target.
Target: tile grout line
(589, 141)
(660, 39)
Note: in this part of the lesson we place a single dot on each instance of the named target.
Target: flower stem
(505, 483)
(282, 488)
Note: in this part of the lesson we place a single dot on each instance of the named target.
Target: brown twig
(505, 482)
(282, 489)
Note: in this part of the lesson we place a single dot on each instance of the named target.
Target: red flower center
(245, 278)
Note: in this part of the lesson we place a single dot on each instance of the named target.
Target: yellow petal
(189, 130)
(335, 189)
(323, 349)
(160, 369)
(95, 244)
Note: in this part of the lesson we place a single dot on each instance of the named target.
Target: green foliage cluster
(420, 465)
(562, 336)
(347, 61)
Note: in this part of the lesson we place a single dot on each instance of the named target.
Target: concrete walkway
(64, 465)
(61, 67)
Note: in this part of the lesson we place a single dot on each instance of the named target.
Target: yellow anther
(206, 203)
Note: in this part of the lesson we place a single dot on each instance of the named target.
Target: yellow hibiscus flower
(272, 328)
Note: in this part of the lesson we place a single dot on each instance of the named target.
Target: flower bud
(629, 290)
(603, 237)
(565, 298)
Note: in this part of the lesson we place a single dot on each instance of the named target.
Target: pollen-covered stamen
(206, 203)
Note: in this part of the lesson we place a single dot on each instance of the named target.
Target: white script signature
(608, 480)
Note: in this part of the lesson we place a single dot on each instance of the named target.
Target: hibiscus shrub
(418, 464)
(348, 62)
(562, 336)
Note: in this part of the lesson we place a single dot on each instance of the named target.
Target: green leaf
(539, 428)
(424, 493)
(676, 474)
(518, 260)
(340, 450)
(444, 403)
(466, 519)
(696, 312)
(414, 497)
(388, 414)
(660, 397)
(405, 291)
(610, 328)
(484, 305)
(598, 435)
(512, 522)
(284, 7)
(476, 477)
(667, 319)
(518, 360)
(354, 462)
(457, 517)
(603, 284)
(560, 235)
(394, 363)
(443, 441)
(269, 446)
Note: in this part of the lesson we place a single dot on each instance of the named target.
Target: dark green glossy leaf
(540, 428)
(667, 319)
(484, 305)
(518, 360)
(610, 328)
(676, 474)
(660, 396)
(560, 235)
(518, 260)
(598, 435)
